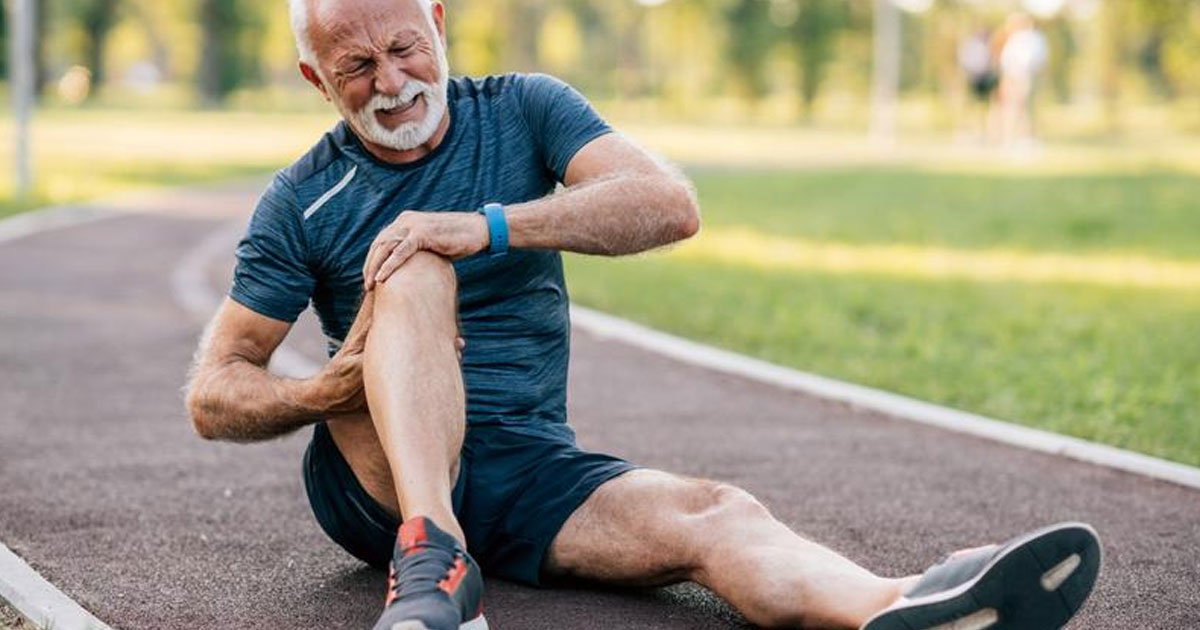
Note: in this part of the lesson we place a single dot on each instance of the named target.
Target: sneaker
(433, 584)
(1034, 582)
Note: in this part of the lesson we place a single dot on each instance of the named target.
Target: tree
(96, 18)
(814, 31)
(751, 37)
(228, 57)
(3, 42)
(1161, 21)
(41, 73)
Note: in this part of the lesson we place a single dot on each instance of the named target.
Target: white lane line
(894, 405)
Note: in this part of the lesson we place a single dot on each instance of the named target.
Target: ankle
(445, 522)
(903, 585)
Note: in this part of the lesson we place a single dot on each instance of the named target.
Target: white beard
(408, 135)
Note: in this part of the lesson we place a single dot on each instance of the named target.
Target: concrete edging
(40, 601)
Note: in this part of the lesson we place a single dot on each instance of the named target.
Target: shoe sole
(478, 623)
(1038, 583)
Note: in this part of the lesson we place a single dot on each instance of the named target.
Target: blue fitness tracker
(497, 228)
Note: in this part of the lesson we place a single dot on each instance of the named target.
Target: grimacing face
(383, 65)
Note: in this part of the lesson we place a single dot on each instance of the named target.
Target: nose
(389, 77)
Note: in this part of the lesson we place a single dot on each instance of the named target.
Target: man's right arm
(231, 395)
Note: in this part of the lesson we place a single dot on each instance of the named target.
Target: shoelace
(414, 571)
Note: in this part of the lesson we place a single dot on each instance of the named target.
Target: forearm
(242, 402)
(624, 213)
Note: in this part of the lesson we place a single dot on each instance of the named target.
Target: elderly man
(428, 216)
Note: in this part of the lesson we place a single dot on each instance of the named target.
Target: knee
(716, 503)
(424, 276)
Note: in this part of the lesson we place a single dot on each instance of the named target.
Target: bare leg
(415, 393)
(649, 527)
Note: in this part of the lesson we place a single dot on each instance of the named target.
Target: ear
(310, 75)
(439, 20)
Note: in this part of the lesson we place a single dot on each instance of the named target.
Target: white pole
(22, 90)
(885, 80)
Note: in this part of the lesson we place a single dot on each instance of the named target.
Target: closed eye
(355, 68)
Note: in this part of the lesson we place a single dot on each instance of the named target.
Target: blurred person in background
(1021, 53)
(979, 68)
(425, 229)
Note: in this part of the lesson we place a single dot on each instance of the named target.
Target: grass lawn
(83, 154)
(1063, 294)
(1067, 302)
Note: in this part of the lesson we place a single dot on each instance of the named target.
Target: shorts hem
(555, 524)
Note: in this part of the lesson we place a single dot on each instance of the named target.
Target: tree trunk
(41, 73)
(98, 21)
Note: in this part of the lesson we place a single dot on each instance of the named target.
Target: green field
(1067, 302)
(84, 154)
(1061, 291)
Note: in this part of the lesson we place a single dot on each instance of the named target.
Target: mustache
(412, 89)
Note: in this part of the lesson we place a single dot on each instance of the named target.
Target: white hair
(299, 12)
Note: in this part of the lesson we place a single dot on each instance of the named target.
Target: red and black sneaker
(433, 584)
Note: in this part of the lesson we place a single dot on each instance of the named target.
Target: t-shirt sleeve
(272, 276)
(560, 119)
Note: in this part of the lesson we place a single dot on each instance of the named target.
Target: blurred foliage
(95, 19)
(4, 42)
(802, 56)
(230, 55)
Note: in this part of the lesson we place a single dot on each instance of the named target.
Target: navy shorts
(516, 487)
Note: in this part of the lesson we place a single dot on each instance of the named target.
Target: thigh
(358, 442)
(644, 528)
(359, 445)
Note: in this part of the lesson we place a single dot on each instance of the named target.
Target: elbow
(683, 198)
(203, 422)
(689, 226)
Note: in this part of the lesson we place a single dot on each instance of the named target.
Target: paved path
(106, 491)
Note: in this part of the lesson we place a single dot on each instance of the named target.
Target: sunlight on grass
(739, 246)
(86, 154)
(790, 147)
(1116, 365)
(83, 153)
(1150, 214)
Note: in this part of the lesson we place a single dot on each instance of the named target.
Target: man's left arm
(618, 200)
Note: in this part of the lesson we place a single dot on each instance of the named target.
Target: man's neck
(394, 156)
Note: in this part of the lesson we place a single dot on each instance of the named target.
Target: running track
(106, 491)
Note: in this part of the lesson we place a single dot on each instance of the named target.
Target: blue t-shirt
(510, 140)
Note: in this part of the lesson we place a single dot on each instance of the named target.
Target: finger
(402, 253)
(375, 257)
(378, 253)
(460, 343)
